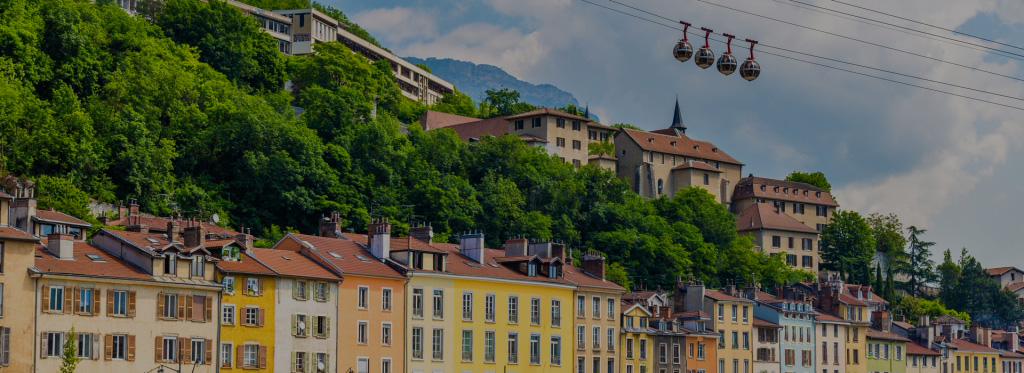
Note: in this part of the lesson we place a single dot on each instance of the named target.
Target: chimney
(174, 230)
(379, 235)
(694, 300)
(61, 245)
(133, 208)
(729, 289)
(134, 225)
(195, 234)
(750, 291)
(471, 245)
(516, 247)
(245, 239)
(1014, 340)
(23, 208)
(122, 211)
(330, 226)
(541, 248)
(559, 250)
(593, 264)
(422, 232)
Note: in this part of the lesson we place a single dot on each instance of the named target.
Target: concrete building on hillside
(276, 25)
(416, 83)
(1010, 278)
(309, 27)
(778, 234)
(661, 162)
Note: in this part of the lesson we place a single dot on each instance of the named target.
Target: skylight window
(152, 240)
(95, 258)
(336, 255)
(470, 264)
(363, 258)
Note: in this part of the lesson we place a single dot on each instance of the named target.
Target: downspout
(216, 319)
(408, 330)
(35, 324)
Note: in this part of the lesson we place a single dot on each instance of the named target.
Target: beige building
(661, 162)
(595, 308)
(308, 27)
(831, 343)
(16, 323)
(806, 203)
(778, 234)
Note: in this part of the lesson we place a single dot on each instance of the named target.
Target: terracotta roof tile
(947, 319)
(691, 315)
(965, 345)
(293, 264)
(764, 216)
(432, 120)
(346, 260)
(477, 130)
(1014, 286)
(12, 233)
(463, 266)
(916, 349)
(151, 243)
(869, 296)
(904, 325)
(878, 334)
(683, 146)
(821, 316)
(750, 187)
(998, 270)
(577, 276)
(248, 265)
(108, 266)
(765, 323)
(406, 243)
(718, 295)
(546, 111)
(159, 224)
(532, 138)
(55, 216)
(696, 165)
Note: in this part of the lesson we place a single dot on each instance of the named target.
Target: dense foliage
(966, 286)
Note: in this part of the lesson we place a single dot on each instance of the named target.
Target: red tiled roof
(432, 120)
(347, 250)
(916, 349)
(765, 323)
(821, 316)
(1014, 286)
(850, 300)
(248, 264)
(82, 265)
(159, 224)
(765, 216)
(998, 270)
(577, 276)
(546, 111)
(477, 130)
(406, 243)
(293, 264)
(965, 345)
(719, 296)
(1010, 355)
(750, 187)
(691, 315)
(216, 244)
(683, 146)
(12, 233)
(492, 268)
(869, 296)
(696, 165)
(141, 240)
(55, 216)
(878, 334)
(947, 319)
(904, 325)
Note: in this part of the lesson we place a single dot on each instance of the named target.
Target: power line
(824, 65)
(880, 24)
(863, 41)
(991, 49)
(929, 25)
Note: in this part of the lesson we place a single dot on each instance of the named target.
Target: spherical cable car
(750, 69)
(727, 63)
(683, 50)
(705, 57)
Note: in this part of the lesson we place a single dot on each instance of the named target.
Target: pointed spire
(677, 119)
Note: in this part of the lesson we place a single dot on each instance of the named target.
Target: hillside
(474, 79)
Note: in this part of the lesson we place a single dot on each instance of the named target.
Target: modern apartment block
(309, 27)
(416, 83)
(276, 25)
(661, 162)
(779, 234)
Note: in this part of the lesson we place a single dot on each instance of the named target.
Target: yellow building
(596, 316)
(733, 319)
(970, 357)
(635, 340)
(246, 315)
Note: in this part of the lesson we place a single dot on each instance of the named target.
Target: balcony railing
(438, 355)
(467, 356)
(535, 359)
(581, 346)
(418, 355)
(513, 358)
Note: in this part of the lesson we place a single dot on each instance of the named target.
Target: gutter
(35, 322)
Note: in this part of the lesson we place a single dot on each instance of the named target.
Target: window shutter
(95, 302)
(293, 362)
(185, 349)
(259, 283)
(160, 302)
(315, 323)
(261, 316)
(42, 344)
(327, 291)
(95, 346)
(110, 302)
(181, 307)
(131, 348)
(263, 357)
(108, 347)
(239, 356)
(327, 361)
(131, 304)
(209, 308)
(310, 288)
(295, 289)
(188, 308)
(5, 341)
(46, 298)
(67, 301)
(209, 351)
(327, 329)
(159, 349)
(295, 326)
(76, 294)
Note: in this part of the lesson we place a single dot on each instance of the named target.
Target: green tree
(626, 126)
(69, 354)
(457, 103)
(618, 274)
(601, 148)
(949, 278)
(847, 246)
(816, 178)
(887, 231)
(918, 267)
(505, 102)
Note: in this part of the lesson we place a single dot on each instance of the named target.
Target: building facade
(831, 343)
(766, 346)
(778, 234)
(594, 306)
(247, 315)
(795, 318)
(562, 134)
(806, 203)
(17, 333)
(886, 352)
(636, 339)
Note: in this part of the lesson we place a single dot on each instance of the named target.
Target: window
(362, 332)
(721, 339)
(120, 302)
(56, 299)
(385, 365)
(807, 244)
(489, 308)
(438, 304)
(467, 306)
(735, 340)
(417, 303)
(417, 343)
(556, 313)
(675, 354)
(581, 307)
(489, 346)
(323, 292)
(707, 178)
(513, 348)
(776, 241)
(560, 142)
(227, 314)
(721, 312)
(746, 339)
(170, 264)
(531, 269)
(119, 347)
(170, 306)
(84, 345)
(643, 349)
(745, 309)
(299, 290)
(518, 124)
(596, 337)
(169, 348)
(198, 267)
(252, 316)
(662, 353)
(575, 125)
(225, 354)
(298, 361)
(611, 339)
(560, 122)
(791, 259)
(467, 345)
(364, 296)
(535, 122)
(85, 302)
(556, 350)
(611, 309)
(438, 344)
(700, 351)
(198, 351)
(513, 309)
(534, 311)
(808, 261)
(597, 307)
(385, 299)
(898, 350)
(385, 334)
(576, 144)
(534, 349)
(629, 348)
(250, 355)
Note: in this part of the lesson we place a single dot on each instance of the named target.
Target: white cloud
(509, 48)
(398, 24)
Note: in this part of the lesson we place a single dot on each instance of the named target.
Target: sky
(942, 163)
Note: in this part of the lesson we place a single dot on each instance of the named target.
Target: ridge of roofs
(915, 349)
(159, 224)
(765, 323)
(878, 334)
(477, 130)
(764, 216)
(492, 266)
(965, 345)
(432, 120)
(346, 259)
(822, 316)
(580, 277)
(546, 111)
(249, 265)
(293, 264)
(697, 165)
(60, 217)
(691, 315)
(141, 240)
(684, 145)
(720, 296)
(108, 266)
(902, 324)
(872, 296)
(4, 195)
(742, 191)
(1000, 270)
(948, 319)
(12, 233)
(1014, 286)
(409, 243)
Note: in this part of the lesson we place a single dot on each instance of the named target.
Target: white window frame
(385, 299)
(386, 334)
(363, 297)
(227, 352)
(224, 313)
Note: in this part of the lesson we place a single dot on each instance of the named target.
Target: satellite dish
(302, 325)
(216, 218)
(320, 366)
